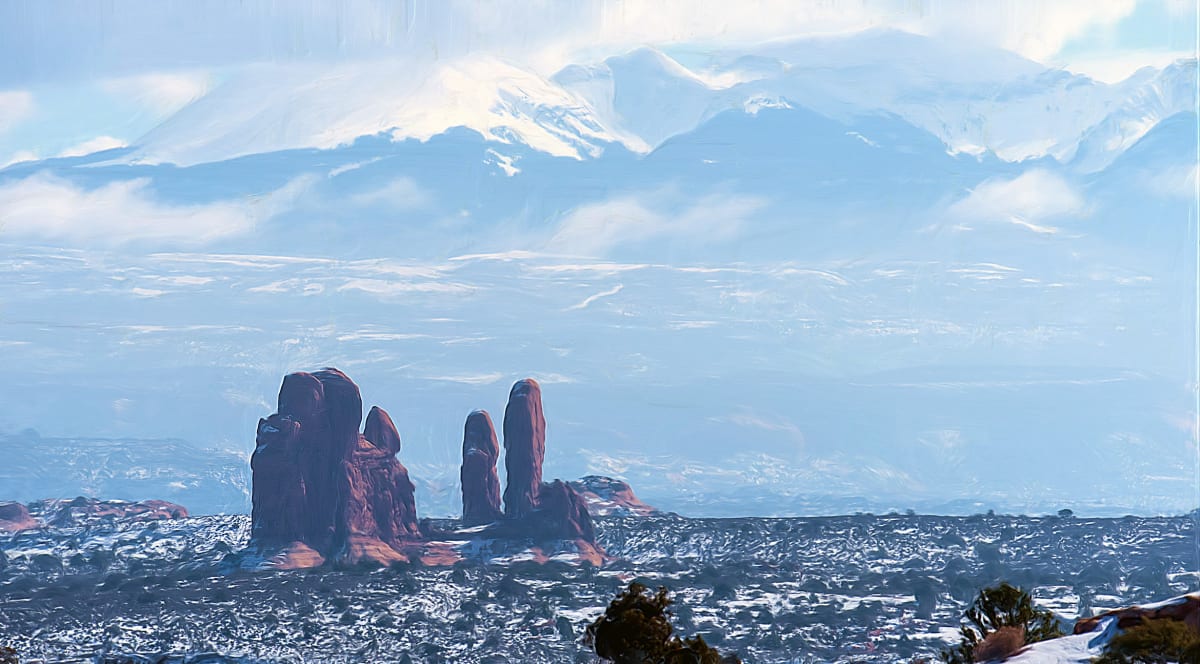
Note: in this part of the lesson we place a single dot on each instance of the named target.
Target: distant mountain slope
(973, 99)
(203, 481)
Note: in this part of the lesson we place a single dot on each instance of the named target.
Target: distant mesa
(83, 512)
(15, 517)
(324, 493)
(608, 497)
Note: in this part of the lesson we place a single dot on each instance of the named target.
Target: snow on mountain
(973, 99)
(270, 108)
(1144, 100)
(645, 96)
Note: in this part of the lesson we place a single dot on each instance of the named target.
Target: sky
(765, 257)
(80, 76)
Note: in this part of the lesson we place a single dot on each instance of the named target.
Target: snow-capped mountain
(272, 108)
(973, 99)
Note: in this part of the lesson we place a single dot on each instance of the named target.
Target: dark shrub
(1152, 642)
(636, 629)
(1000, 606)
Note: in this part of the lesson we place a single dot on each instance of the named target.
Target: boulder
(480, 482)
(1185, 608)
(15, 517)
(524, 447)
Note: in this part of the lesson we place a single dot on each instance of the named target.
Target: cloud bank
(47, 207)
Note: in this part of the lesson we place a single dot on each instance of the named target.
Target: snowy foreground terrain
(850, 588)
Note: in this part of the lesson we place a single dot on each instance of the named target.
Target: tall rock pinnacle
(480, 483)
(524, 447)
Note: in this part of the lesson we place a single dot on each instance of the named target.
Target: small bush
(996, 607)
(1154, 642)
(636, 629)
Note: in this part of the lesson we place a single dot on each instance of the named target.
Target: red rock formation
(562, 513)
(302, 401)
(524, 447)
(15, 516)
(325, 479)
(480, 483)
(83, 511)
(277, 493)
(1185, 608)
(322, 491)
(605, 496)
(380, 430)
(381, 510)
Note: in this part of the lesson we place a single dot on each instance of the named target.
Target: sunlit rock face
(380, 506)
(480, 481)
(323, 491)
(524, 447)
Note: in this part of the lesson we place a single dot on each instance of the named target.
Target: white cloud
(15, 107)
(592, 298)
(469, 379)
(388, 287)
(1027, 200)
(98, 144)
(160, 92)
(399, 194)
(597, 228)
(48, 207)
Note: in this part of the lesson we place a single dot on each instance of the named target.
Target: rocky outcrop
(15, 517)
(562, 513)
(1185, 608)
(606, 496)
(84, 512)
(480, 482)
(277, 495)
(326, 476)
(545, 512)
(323, 491)
(524, 448)
(381, 511)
